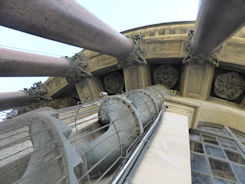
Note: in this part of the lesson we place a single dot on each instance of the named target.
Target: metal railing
(87, 143)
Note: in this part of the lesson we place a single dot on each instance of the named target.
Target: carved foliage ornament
(229, 85)
(195, 58)
(79, 67)
(37, 96)
(114, 83)
(135, 57)
(37, 92)
(56, 104)
(166, 75)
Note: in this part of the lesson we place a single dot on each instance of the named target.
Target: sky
(119, 14)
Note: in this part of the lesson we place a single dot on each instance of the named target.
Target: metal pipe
(117, 134)
(100, 156)
(140, 107)
(15, 63)
(217, 21)
(64, 21)
(13, 99)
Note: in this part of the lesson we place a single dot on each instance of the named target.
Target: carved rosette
(229, 85)
(114, 83)
(166, 75)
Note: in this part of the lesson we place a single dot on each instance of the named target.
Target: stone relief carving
(37, 92)
(229, 85)
(38, 96)
(56, 104)
(79, 67)
(135, 57)
(114, 83)
(195, 58)
(166, 75)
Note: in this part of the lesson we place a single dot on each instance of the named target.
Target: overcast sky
(119, 14)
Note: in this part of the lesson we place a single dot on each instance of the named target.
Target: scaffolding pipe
(64, 21)
(217, 21)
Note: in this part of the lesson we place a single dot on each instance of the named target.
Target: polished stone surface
(168, 157)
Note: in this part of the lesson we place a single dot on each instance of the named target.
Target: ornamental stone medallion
(229, 85)
(166, 75)
(114, 83)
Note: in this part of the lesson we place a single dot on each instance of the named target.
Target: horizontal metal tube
(64, 21)
(13, 99)
(217, 21)
(15, 63)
